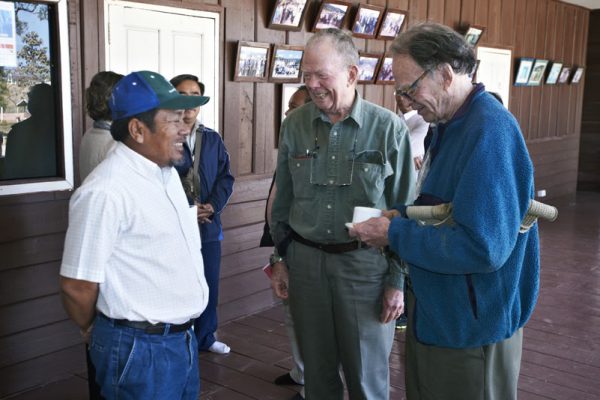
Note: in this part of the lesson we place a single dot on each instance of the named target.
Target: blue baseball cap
(146, 90)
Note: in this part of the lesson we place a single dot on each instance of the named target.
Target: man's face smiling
(164, 145)
(328, 80)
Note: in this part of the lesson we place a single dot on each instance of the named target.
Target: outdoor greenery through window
(29, 92)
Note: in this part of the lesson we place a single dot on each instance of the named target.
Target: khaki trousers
(335, 300)
(482, 373)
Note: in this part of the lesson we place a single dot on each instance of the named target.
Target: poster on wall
(8, 41)
(494, 69)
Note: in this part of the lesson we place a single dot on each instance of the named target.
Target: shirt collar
(143, 166)
(355, 113)
(409, 114)
(478, 88)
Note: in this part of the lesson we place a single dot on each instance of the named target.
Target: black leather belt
(151, 329)
(333, 248)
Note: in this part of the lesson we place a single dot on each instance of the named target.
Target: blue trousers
(132, 365)
(206, 325)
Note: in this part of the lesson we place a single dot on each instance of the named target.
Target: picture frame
(384, 75)
(332, 14)
(285, 63)
(366, 21)
(252, 62)
(524, 70)
(288, 15)
(564, 75)
(577, 75)
(473, 34)
(391, 23)
(537, 72)
(368, 65)
(554, 73)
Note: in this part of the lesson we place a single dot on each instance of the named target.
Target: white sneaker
(219, 348)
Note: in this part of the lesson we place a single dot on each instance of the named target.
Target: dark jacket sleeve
(222, 187)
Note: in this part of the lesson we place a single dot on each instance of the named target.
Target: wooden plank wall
(39, 345)
(589, 155)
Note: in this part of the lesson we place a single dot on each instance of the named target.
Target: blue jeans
(131, 364)
(206, 325)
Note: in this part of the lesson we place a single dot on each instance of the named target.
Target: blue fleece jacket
(475, 282)
(216, 181)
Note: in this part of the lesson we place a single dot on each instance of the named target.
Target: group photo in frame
(523, 72)
(577, 75)
(554, 73)
(252, 62)
(285, 63)
(288, 15)
(391, 24)
(564, 75)
(384, 76)
(537, 72)
(367, 67)
(367, 20)
(473, 34)
(332, 14)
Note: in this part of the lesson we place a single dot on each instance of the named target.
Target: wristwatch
(274, 259)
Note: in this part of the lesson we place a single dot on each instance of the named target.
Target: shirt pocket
(368, 183)
(300, 172)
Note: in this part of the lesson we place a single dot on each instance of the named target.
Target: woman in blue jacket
(209, 185)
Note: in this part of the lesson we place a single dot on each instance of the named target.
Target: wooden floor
(561, 355)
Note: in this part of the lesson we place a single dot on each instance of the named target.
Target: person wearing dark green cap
(131, 277)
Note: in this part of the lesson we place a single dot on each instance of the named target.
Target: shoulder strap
(197, 151)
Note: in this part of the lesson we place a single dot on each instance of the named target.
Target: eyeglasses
(410, 92)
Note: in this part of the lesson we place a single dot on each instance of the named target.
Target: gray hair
(431, 44)
(341, 41)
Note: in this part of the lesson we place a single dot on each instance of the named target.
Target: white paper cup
(364, 213)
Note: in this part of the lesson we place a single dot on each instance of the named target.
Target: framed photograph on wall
(473, 34)
(367, 67)
(554, 73)
(525, 66)
(577, 75)
(537, 72)
(384, 76)
(288, 14)
(564, 75)
(367, 20)
(392, 23)
(285, 64)
(332, 14)
(252, 62)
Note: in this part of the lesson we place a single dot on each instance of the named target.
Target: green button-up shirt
(324, 170)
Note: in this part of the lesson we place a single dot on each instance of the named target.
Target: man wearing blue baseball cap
(132, 277)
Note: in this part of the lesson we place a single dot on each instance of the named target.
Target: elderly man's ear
(352, 75)
(136, 130)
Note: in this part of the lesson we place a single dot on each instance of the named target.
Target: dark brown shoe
(285, 379)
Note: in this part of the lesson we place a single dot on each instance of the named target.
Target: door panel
(167, 40)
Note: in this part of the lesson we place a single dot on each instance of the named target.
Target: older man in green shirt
(338, 152)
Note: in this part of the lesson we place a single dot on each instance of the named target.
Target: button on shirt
(132, 231)
(324, 170)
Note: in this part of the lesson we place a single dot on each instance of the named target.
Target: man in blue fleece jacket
(472, 285)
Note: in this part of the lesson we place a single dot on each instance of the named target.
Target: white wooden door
(167, 40)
